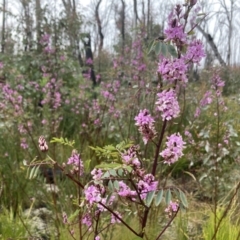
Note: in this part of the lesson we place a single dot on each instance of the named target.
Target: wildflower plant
(125, 183)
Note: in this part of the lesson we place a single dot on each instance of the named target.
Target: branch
(212, 45)
(99, 24)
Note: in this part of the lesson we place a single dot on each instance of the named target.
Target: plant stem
(168, 224)
(120, 219)
(154, 167)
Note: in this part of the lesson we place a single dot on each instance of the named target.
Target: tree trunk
(3, 26)
(212, 45)
(99, 24)
(38, 23)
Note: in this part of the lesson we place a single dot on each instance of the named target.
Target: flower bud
(42, 144)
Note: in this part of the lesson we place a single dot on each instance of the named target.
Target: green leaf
(158, 47)
(34, 172)
(113, 172)
(106, 175)
(151, 46)
(183, 199)
(74, 215)
(168, 196)
(110, 185)
(116, 184)
(120, 172)
(172, 50)
(164, 49)
(107, 166)
(149, 198)
(158, 198)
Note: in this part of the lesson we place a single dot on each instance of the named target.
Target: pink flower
(76, 161)
(167, 104)
(195, 51)
(89, 61)
(145, 121)
(87, 220)
(174, 150)
(173, 70)
(172, 207)
(24, 144)
(92, 194)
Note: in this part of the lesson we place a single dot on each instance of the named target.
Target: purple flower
(76, 161)
(145, 121)
(89, 61)
(87, 220)
(24, 144)
(173, 70)
(175, 30)
(65, 218)
(57, 100)
(207, 99)
(217, 81)
(45, 39)
(197, 112)
(42, 144)
(97, 174)
(172, 207)
(92, 194)
(175, 146)
(147, 185)
(195, 51)
(125, 191)
(144, 117)
(167, 104)
(130, 157)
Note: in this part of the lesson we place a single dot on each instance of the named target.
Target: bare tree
(73, 26)
(210, 41)
(99, 24)
(38, 11)
(148, 16)
(136, 17)
(28, 28)
(120, 15)
(3, 25)
(228, 12)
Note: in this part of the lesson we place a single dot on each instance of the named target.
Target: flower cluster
(76, 162)
(97, 174)
(175, 29)
(147, 185)
(145, 121)
(93, 194)
(130, 157)
(173, 70)
(195, 51)
(42, 144)
(167, 104)
(174, 150)
(125, 191)
(172, 208)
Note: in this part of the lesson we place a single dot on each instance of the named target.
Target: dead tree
(28, 28)
(213, 46)
(3, 25)
(99, 24)
(89, 55)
